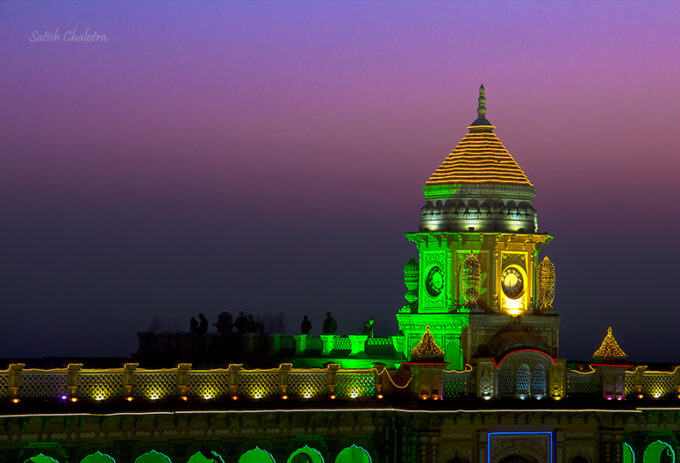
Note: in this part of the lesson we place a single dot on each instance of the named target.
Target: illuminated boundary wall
(523, 375)
(306, 454)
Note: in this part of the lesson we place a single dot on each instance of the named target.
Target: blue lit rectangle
(518, 433)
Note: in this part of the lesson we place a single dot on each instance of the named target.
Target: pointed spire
(609, 351)
(481, 103)
(481, 108)
(427, 349)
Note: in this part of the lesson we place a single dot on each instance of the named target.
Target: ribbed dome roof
(479, 157)
(411, 267)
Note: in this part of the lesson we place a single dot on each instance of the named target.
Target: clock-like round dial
(512, 282)
(434, 283)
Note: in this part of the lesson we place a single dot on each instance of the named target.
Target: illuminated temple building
(474, 376)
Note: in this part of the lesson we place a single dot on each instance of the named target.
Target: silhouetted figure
(306, 326)
(203, 325)
(224, 323)
(368, 327)
(260, 324)
(330, 326)
(241, 323)
(194, 325)
(252, 324)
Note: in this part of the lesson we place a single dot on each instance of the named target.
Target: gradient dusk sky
(269, 156)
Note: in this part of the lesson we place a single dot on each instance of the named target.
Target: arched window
(538, 381)
(256, 455)
(305, 454)
(628, 453)
(41, 459)
(98, 457)
(507, 380)
(522, 381)
(152, 457)
(659, 452)
(353, 454)
(206, 456)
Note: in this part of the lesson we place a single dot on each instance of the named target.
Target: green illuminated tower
(478, 251)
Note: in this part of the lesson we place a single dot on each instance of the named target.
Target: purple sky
(268, 156)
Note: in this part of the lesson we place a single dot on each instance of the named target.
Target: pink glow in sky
(204, 143)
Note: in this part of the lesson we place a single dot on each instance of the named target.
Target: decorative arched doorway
(628, 453)
(659, 452)
(41, 459)
(353, 454)
(98, 457)
(256, 455)
(305, 454)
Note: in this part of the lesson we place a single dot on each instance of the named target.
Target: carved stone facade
(393, 435)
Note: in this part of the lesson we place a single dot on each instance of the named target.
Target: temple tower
(478, 246)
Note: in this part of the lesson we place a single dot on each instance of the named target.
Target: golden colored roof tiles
(480, 157)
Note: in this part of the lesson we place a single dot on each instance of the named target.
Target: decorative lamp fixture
(609, 351)
(471, 279)
(545, 280)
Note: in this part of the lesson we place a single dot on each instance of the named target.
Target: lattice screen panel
(581, 383)
(258, 384)
(657, 384)
(355, 385)
(522, 379)
(507, 380)
(155, 384)
(342, 343)
(4, 383)
(208, 384)
(379, 346)
(314, 343)
(307, 385)
(287, 342)
(538, 380)
(455, 385)
(629, 388)
(35, 384)
(100, 385)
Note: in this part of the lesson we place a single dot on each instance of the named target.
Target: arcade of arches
(306, 454)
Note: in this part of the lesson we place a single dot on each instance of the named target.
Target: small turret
(411, 275)
(427, 349)
(609, 351)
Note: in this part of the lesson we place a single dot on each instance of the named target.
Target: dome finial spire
(481, 106)
(481, 109)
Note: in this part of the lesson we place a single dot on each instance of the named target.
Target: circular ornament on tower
(434, 282)
(512, 282)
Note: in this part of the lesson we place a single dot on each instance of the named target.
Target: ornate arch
(523, 380)
(201, 457)
(98, 457)
(353, 454)
(655, 450)
(628, 453)
(152, 456)
(313, 454)
(41, 458)
(256, 455)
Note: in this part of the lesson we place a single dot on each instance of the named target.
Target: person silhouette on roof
(306, 326)
(330, 326)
